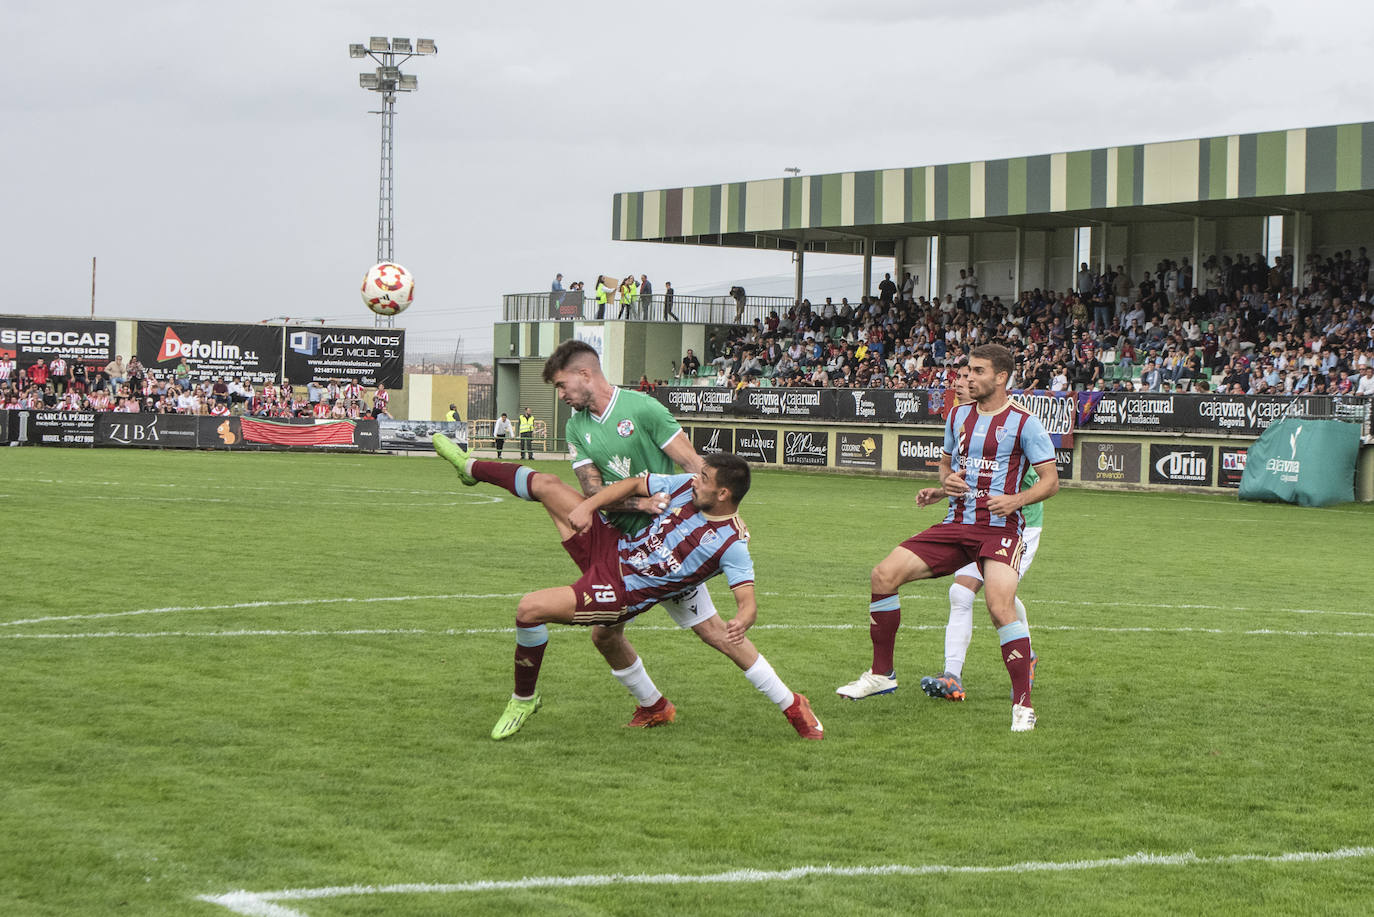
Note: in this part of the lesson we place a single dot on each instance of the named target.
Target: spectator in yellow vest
(526, 435)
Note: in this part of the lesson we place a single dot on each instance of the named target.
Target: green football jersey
(1034, 514)
(624, 442)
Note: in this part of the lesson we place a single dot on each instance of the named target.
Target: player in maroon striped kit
(989, 445)
(697, 536)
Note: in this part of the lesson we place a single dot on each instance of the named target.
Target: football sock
(1021, 614)
(1016, 650)
(638, 683)
(959, 631)
(506, 475)
(762, 676)
(884, 617)
(529, 656)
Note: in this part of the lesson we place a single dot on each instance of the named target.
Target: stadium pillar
(1016, 267)
(1102, 250)
(1299, 255)
(868, 265)
(1197, 255)
(933, 255)
(798, 258)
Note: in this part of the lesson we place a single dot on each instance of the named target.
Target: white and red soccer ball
(388, 288)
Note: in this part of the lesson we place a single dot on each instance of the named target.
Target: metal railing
(574, 305)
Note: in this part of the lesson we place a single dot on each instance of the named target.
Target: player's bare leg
(761, 675)
(651, 707)
(884, 618)
(1000, 593)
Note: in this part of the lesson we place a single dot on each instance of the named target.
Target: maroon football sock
(502, 474)
(884, 617)
(528, 659)
(1016, 656)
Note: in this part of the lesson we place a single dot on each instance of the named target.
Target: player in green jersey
(613, 434)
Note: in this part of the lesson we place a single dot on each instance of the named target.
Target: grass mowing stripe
(261, 903)
(479, 631)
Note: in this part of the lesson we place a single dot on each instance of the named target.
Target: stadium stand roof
(1312, 170)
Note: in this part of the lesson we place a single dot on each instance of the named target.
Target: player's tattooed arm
(590, 480)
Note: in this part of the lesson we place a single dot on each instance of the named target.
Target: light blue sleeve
(1036, 442)
(667, 483)
(737, 565)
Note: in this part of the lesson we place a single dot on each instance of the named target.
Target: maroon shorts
(950, 545)
(600, 591)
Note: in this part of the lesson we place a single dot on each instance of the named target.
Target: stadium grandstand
(1234, 264)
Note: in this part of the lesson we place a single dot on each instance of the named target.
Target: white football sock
(959, 631)
(638, 683)
(762, 676)
(1021, 614)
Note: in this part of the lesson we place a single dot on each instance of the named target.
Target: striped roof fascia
(1266, 164)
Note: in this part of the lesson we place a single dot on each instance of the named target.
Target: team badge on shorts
(625, 428)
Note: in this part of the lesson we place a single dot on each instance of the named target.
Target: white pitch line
(276, 603)
(483, 631)
(261, 904)
(344, 600)
(940, 597)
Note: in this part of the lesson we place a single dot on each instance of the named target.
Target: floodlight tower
(387, 80)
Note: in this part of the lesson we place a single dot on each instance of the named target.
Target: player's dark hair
(564, 354)
(732, 473)
(997, 355)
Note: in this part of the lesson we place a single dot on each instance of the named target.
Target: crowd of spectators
(1236, 326)
(62, 385)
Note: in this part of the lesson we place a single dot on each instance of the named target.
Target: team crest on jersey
(709, 537)
(1002, 433)
(625, 428)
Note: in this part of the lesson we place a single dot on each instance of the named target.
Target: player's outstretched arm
(590, 480)
(580, 518)
(746, 613)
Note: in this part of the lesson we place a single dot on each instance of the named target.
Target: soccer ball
(388, 288)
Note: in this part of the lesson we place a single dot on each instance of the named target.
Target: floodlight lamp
(389, 73)
(401, 45)
(425, 46)
(367, 80)
(357, 51)
(409, 83)
(378, 43)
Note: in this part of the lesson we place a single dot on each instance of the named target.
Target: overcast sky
(220, 161)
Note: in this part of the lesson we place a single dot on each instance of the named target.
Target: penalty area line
(263, 904)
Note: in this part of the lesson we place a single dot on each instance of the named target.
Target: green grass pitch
(277, 673)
